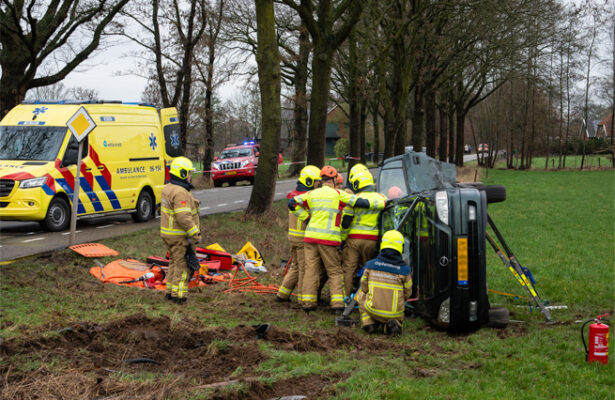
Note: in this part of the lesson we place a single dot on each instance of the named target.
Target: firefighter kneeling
(385, 284)
(179, 226)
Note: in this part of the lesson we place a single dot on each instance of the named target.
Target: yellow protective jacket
(179, 212)
(364, 223)
(387, 283)
(296, 223)
(324, 206)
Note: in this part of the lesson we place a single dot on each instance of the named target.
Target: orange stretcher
(128, 273)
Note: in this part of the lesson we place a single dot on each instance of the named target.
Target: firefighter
(385, 284)
(179, 226)
(322, 237)
(309, 178)
(362, 224)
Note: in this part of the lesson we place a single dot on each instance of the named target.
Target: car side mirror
(257, 154)
(216, 158)
(71, 155)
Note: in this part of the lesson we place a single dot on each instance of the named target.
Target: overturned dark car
(444, 223)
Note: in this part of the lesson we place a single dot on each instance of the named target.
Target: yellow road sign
(80, 124)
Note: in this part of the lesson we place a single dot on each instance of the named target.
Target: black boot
(371, 328)
(393, 327)
(281, 300)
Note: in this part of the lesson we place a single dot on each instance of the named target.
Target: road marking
(68, 233)
(104, 226)
(205, 208)
(222, 205)
(32, 240)
(30, 233)
(238, 201)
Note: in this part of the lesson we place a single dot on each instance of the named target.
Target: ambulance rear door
(172, 136)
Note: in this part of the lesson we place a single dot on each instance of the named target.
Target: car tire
(144, 210)
(251, 181)
(498, 317)
(495, 193)
(57, 217)
(217, 183)
(232, 183)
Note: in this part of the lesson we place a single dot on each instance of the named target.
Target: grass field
(559, 224)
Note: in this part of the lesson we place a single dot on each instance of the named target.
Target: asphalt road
(20, 239)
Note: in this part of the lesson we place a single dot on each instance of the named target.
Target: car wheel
(495, 193)
(251, 181)
(144, 208)
(217, 183)
(498, 317)
(232, 183)
(57, 217)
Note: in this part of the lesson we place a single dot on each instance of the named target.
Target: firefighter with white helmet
(385, 285)
(179, 226)
(362, 225)
(309, 178)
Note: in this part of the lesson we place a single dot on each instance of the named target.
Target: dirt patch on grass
(103, 359)
(311, 386)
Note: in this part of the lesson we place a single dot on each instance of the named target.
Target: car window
(31, 142)
(233, 153)
(392, 182)
(425, 173)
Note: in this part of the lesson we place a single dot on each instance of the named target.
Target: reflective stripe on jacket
(296, 222)
(179, 212)
(386, 292)
(365, 222)
(325, 206)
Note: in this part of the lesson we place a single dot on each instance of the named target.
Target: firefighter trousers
(294, 275)
(318, 256)
(179, 273)
(354, 256)
(368, 318)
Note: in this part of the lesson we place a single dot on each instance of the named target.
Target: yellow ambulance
(123, 168)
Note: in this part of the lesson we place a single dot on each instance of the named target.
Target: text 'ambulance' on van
(123, 169)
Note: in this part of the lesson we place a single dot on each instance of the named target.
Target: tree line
(518, 75)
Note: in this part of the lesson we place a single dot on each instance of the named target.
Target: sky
(107, 71)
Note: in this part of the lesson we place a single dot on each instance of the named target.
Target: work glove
(196, 239)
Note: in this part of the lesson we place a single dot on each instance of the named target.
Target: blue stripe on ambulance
(91, 194)
(48, 191)
(110, 193)
(62, 182)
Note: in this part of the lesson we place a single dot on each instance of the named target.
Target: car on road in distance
(237, 163)
(444, 225)
(483, 147)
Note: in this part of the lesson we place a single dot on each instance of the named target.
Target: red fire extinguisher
(598, 340)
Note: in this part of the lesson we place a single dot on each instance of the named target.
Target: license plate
(230, 173)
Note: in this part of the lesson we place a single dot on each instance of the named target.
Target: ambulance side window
(70, 155)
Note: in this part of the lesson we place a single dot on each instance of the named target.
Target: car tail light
(462, 261)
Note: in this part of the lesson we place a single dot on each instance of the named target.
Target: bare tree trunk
(418, 118)
(376, 126)
(363, 113)
(354, 134)
(299, 133)
(443, 134)
(268, 61)
(461, 118)
(430, 121)
(451, 134)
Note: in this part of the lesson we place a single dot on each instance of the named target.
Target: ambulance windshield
(40, 143)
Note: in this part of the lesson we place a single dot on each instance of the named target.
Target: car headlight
(215, 166)
(444, 313)
(33, 182)
(245, 163)
(442, 206)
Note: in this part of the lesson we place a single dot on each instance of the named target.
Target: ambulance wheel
(218, 183)
(144, 208)
(57, 217)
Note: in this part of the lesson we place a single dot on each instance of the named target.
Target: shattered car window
(425, 173)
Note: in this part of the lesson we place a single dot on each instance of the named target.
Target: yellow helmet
(309, 175)
(361, 179)
(180, 167)
(392, 240)
(356, 169)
